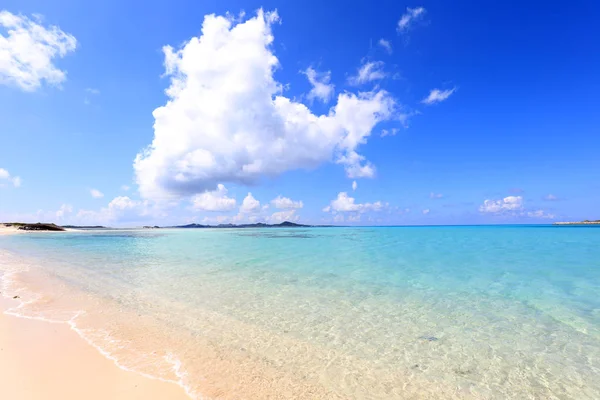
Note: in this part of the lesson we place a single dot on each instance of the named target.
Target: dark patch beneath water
(278, 235)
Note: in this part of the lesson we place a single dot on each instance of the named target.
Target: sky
(349, 113)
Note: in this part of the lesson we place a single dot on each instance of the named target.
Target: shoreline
(45, 360)
(219, 355)
(42, 360)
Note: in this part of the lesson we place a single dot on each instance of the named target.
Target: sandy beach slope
(45, 361)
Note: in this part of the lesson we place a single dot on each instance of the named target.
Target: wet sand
(46, 361)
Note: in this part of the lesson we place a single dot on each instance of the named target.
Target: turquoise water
(403, 312)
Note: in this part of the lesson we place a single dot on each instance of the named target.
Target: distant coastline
(20, 226)
(586, 222)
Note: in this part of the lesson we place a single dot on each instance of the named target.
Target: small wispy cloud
(389, 132)
(436, 195)
(426, 211)
(551, 197)
(125, 187)
(368, 72)
(386, 45)
(322, 88)
(354, 185)
(90, 92)
(96, 193)
(409, 18)
(437, 96)
(540, 214)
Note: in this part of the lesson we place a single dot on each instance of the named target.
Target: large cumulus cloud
(226, 119)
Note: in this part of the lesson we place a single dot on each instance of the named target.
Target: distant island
(285, 224)
(84, 227)
(586, 222)
(53, 227)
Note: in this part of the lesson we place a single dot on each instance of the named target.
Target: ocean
(465, 312)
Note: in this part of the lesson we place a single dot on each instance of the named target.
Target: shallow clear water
(416, 312)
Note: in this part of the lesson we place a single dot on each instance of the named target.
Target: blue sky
(441, 112)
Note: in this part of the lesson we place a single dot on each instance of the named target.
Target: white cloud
(226, 120)
(512, 206)
(28, 51)
(282, 216)
(345, 203)
(354, 185)
(286, 203)
(123, 203)
(119, 210)
(250, 205)
(96, 193)
(322, 89)
(355, 167)
(338, 218)
(6, 176)
(510, 203)
(125, 187)
(368, 72)
(219, 219)
(63, 211)
(387, 46)
(437, 96)
(436, 195)
(354, 218)
(551, 197)
(426, 211)
(90, 91)
(216, 200)
(409, 17)
(540, 214)
(389, 132)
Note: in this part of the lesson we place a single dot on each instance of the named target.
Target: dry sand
(7, 230)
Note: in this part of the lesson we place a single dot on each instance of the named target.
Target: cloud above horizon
(28, 52)
(512, 206)
(215, 200)
(344, 203)
(286, 203)
(226, 120)
(509, 203)
(5, 176)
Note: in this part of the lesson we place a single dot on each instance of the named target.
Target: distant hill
(285, 224)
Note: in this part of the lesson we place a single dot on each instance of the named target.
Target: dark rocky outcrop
(39, 227)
